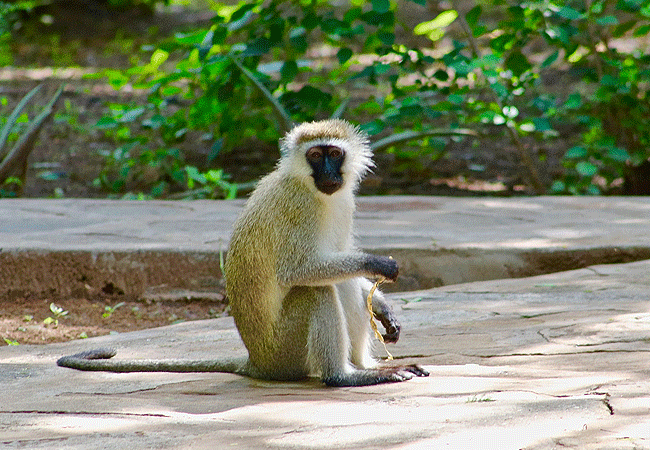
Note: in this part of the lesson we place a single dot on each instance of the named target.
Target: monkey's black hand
(384, 266)
(392, 327)
(384, 313)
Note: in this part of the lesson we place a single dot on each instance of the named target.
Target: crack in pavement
(82, 413)
(555, 354)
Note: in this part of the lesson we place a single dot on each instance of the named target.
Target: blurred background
(184, 99)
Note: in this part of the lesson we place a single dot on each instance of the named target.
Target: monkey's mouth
(329, 186)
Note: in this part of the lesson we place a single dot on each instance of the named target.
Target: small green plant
(479, 399)
(213, 184)
(109, 310)
(11, 341)
(10, 187)
(58, 312)
(136, 312)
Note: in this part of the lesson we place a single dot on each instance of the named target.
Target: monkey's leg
(358, 322)
(328, 347)
(328, 343)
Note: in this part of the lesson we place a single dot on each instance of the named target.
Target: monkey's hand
(383, 312)
(383, 266)
(392, 327)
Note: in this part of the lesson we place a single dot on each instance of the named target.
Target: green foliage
(252, 74)
(9, 16)
(613, 106)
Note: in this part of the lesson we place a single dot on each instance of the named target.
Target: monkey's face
(326, 162)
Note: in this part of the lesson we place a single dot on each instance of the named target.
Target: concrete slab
(526, 223)
(436, 240)
(553, 361)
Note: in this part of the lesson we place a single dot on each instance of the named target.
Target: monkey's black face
(326, 162)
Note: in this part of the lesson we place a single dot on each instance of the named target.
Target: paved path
(382, 222)
(436, 240)
(553, 361)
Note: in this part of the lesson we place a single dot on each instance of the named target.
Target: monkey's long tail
(100, 360)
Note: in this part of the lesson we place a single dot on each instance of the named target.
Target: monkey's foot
(411, 370)
(376, 376)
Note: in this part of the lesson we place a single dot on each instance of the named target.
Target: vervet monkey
(295, 281)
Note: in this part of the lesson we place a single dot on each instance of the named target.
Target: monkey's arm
(99, 360)
(333, 268)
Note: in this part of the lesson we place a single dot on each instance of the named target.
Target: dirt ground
(29, 319)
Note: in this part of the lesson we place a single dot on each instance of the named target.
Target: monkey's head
(331, 153)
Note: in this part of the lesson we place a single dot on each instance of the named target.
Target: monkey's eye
(314, 153)
(335, 152)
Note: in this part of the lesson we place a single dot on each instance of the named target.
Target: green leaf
(606, 21)
(215, 149)
(158, 57)
(586, 169)
(642, 31)
(381, 6)
(373, 127)
(499, 89)
(541, 124)
(608, 80)
(645, 11)
(569, 13)
(576, 152)
(574, 101)
(258, 47)
(623, 28)
(558, 187)
(132, 114)
(550, 59)
(298, 38)
(288, 72)
(344, 54)
(618, 154)
(473, 15)
(377, 19)
(106, 123)
(517, 63)
(386, 38)
(455, 99)
(443, 20)
(49, 175)
(338, 113)
(241, 17)
(441, 75)
(592, 189)
(194, 174)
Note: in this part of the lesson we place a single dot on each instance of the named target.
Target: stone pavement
(550, 361)
(436, 240)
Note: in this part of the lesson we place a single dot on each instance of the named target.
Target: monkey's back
(270, 233)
